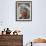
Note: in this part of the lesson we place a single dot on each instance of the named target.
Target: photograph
(23, 10)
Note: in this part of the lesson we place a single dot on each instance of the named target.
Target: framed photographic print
(23, 10)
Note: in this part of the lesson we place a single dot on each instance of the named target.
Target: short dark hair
(23, 8)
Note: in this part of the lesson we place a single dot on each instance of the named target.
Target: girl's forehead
(23, 9)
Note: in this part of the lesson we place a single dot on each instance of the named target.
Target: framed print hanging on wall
(23, 10)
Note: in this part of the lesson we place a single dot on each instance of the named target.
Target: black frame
(31, 10)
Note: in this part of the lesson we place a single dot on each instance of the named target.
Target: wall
(39, 18)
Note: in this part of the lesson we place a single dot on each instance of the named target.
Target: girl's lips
(24, 14)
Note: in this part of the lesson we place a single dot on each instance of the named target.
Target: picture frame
(23, 10)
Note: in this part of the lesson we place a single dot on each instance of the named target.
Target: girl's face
(23, 12)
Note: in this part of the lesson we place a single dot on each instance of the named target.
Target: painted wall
(39, 18)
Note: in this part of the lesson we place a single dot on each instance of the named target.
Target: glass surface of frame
(24, 10)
